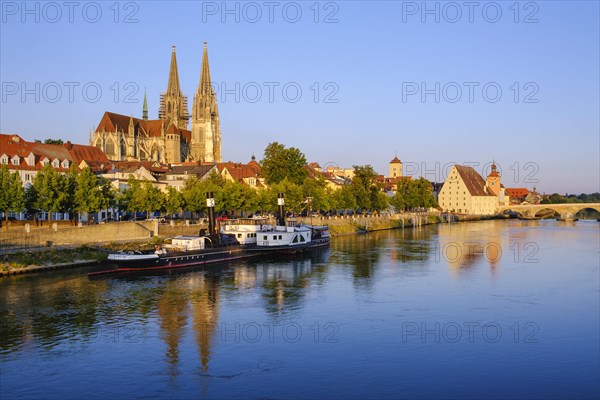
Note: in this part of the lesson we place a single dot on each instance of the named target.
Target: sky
(346, 82)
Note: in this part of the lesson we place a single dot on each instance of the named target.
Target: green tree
(152, 199)
(292, 194)
(12, 195)
(132, 197)
(92, 193)
(363, 181)
(52, 191)
(344, 199)
(413, 193)
(280, 163)
(315, 190)
(174, 201)
(194, 195)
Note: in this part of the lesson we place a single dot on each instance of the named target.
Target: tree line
(284, 170)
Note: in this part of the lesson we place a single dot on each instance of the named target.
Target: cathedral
(166, 139)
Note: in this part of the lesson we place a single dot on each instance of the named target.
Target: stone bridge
(566, 210)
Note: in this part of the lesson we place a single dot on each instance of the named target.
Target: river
(490, 309)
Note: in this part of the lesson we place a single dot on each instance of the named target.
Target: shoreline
(341, 227)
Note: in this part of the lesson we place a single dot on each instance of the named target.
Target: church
(166, 139)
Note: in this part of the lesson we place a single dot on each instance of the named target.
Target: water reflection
(363, 293)
(75, 309)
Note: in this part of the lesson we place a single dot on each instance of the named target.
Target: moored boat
(289, 236)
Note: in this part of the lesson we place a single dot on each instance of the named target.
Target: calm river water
(494, 309)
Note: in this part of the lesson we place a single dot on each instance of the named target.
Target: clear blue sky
(374, 58)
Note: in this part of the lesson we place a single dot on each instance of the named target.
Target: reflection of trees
(172, 311)
(412, 245)
(48, 312)
(204, 299)
(363, 253)
(285, 283)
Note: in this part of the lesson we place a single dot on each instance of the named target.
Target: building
(495, 186)
(395, 168)
(166, 139)
(344, 173)
(466, 192)
(517, 195)
(250, 174)
(28, 158)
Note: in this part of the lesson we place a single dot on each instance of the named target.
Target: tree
(411, 194)
(280, 163)
(344, 199)
(152, 198)
(194, 195)
(131, 199)
(362, 182)
(315, 190)
(174, 201)
(52, 191)
(92, 194)
(12, 195)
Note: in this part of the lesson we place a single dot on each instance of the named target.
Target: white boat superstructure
(246, 230)
(290, 236)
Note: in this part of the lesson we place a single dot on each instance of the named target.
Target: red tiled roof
(517, 192)
(396, 160)
(12, 145)
(239, 171)
(112, 122)
(474, 182)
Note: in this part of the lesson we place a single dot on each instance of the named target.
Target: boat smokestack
(281, 204)
(210, 204)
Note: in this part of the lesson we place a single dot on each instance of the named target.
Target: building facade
(166, 139)
(28, 158)
(466, 192)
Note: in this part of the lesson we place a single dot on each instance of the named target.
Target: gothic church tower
(173, 104)
(206, 131)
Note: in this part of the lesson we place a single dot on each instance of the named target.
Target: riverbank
(52, 258)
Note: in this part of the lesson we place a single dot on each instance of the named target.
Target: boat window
(295, 239)
(302, 239)
(274, 237)
(265, 237)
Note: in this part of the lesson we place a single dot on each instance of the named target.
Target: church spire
(173, 104)
(206, 131)
(145, 108)
(173, 87)
(205, 87)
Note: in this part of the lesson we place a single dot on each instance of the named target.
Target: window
(15, 160)
(280, 237)
(274, 237)
(265, 237)
(302, 239)
(239, 235)
(55, 163)
(4, 160)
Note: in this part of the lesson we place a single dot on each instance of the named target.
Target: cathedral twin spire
(205, 143)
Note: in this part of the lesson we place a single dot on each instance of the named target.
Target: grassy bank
(16, 261)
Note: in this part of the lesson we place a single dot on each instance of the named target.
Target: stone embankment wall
(66, 235)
